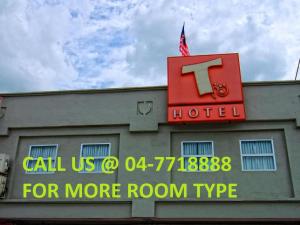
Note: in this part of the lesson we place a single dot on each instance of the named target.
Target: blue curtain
(190, 148)
(97, 150)
(257, 147)
(43, 151)
(257, 155)
(204, 148)
(98, 164)
(32, 163)
(196, 149)
(258, 163)
(100, 150)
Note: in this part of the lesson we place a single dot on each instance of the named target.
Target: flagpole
(297, 69)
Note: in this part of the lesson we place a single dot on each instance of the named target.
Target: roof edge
(130, 89)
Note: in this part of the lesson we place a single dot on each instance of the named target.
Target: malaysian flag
(183, 48)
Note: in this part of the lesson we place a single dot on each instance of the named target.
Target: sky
(74, 44)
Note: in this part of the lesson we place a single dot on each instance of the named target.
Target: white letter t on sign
(201, 74)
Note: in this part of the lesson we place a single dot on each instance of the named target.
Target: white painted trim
(42, 145)
(97, 157)
(265, 154)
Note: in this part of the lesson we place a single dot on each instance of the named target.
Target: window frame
(97, 157)
(197, 156)
(265, 154)
(35, 159)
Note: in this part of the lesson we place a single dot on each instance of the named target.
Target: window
(196, 149)
(98, 151)
(257, 155)
(44, 151)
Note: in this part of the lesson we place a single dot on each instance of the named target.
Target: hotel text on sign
(205, 88)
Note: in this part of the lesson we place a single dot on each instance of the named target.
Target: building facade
(132, 122)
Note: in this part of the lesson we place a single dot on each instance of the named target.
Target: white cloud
(55, 44)
(31, 44)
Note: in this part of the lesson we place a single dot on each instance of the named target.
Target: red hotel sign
(205, 88)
